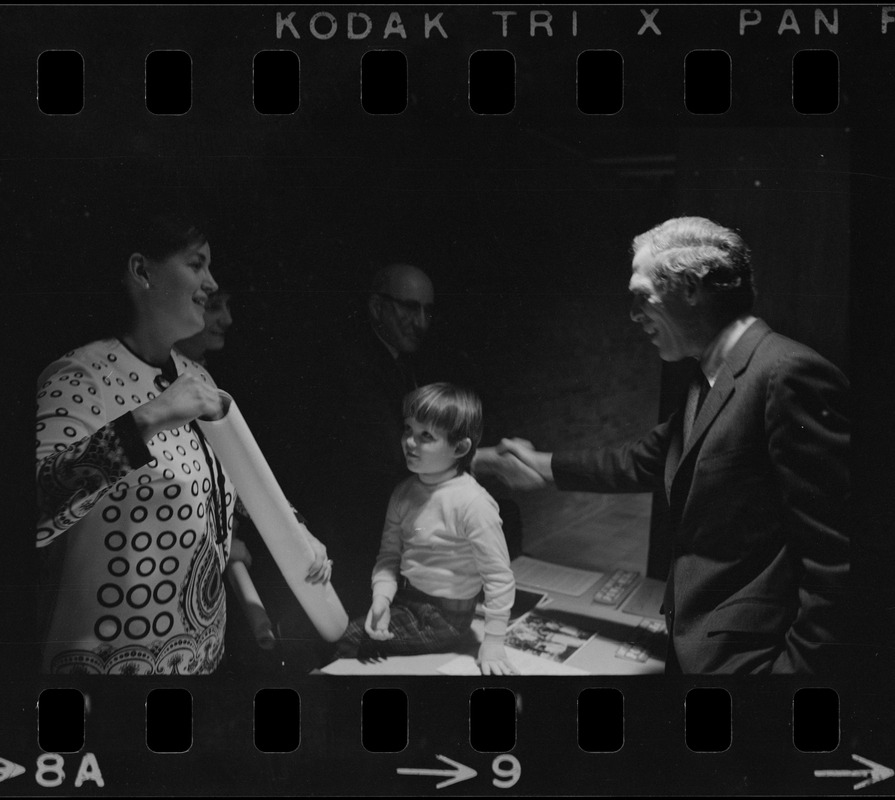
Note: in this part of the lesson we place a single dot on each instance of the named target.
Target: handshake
(516, 463)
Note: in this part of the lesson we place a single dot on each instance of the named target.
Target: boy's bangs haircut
(452, 409)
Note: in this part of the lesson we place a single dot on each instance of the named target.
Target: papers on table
(647, 600)
(526, 663)
(553, 578)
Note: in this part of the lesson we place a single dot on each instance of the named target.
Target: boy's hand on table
(493, 660)
(378, 618)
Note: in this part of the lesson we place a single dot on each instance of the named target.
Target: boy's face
(428, 452)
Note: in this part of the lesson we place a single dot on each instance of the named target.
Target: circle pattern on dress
(166, 540)
(169, 565)
(145, 567)
(187, 539)
(119, 567)
(111, 513)
(162, 624)
(164, 592)
(110, 595)
(139, 596)
(137, 627)
(107, 628)
(116, 540)
(141, 541)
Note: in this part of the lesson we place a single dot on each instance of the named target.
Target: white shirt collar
(716, 353)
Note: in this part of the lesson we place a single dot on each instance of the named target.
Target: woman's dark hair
(159, 233)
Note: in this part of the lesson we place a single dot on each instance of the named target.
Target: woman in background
(212, 338)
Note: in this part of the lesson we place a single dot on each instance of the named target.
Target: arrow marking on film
(875, 773)
(460, 772)
(9, 769)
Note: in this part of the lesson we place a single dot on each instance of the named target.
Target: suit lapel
(714, 402)
(717, 398)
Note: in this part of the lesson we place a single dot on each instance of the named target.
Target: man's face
(668, 320)
(404, 312)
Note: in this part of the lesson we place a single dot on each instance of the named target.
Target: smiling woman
(135, 512)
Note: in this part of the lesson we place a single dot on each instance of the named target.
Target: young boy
(442, 542)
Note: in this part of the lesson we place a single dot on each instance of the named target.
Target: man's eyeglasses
(410, 308)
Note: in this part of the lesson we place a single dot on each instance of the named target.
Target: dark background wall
(525, 235)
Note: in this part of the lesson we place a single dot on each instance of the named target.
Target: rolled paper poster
(284, 535)
(251, 604)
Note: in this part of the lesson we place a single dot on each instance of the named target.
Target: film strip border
(707, 87)
(415, 736)
(384, 721)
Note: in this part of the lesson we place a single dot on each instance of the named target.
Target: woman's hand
(378, 618)
(322, 567)
(183, 401)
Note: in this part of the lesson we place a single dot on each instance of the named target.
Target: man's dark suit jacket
(758, 508)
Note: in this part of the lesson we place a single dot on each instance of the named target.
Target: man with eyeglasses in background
(401, 306)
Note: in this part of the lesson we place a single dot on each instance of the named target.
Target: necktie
(699, 388)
